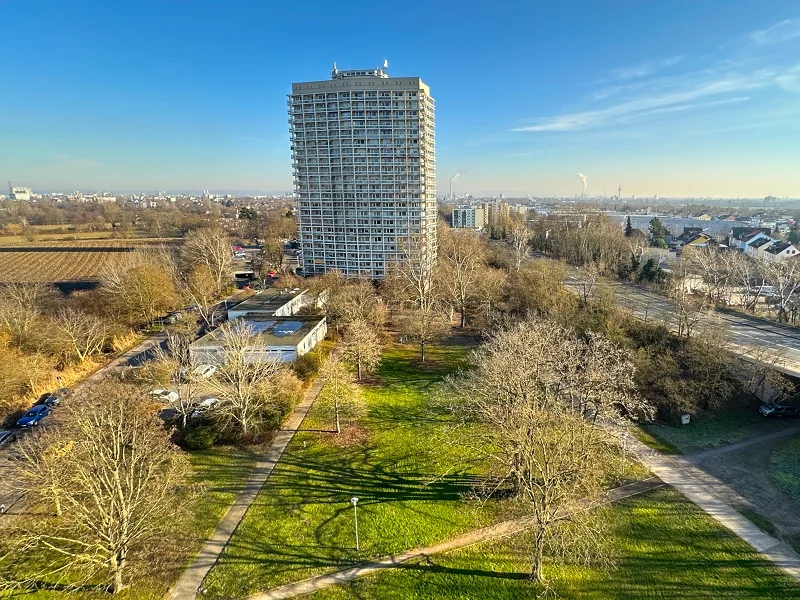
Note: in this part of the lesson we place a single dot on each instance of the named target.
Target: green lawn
(222, 472)
(302, 522)
(784, 467)
(712, 429)
(665, 548)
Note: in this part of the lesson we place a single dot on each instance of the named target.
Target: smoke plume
(583, 179)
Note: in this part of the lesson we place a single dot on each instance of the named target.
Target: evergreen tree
(628, 228)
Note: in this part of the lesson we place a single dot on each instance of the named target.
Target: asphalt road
(752, 336)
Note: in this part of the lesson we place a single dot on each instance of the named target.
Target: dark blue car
(34, 415)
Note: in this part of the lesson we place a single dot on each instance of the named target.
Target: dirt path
(746, 470)
(504, 529)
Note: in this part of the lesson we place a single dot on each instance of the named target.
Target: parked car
(34, 416)
(203, 407)
(779, 410)
(6, 437)
(51, 400)
(204, 371)
(164, 395)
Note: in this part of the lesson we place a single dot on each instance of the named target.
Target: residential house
(779, 251)
(756, 247)
(739, 236)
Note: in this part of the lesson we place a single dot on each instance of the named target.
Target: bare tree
(340, 396)
(173, 368)
(531, 388)
(139, 286)
(413, 279)
(460, 267)
(361, 347)
(784, 277)
(424, 327)
(748, 276)
(201, 291)
(690, 308)
(520, 240)
(21, 305)
(211, 247)
(78, 335)
(121, 491)
(244, 382)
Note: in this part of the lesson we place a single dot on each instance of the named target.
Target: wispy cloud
(778, 33)
(666, 101)
(645, 68)
(637, 92)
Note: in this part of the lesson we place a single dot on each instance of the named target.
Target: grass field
(784, 467)
(712, 429)
(665, 547)
(401, 469)
(222, 472)
(302, 522)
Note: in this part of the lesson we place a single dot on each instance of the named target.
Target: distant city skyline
(669, 100)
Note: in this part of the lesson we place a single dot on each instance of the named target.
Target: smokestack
(583, 179)
(452, 179)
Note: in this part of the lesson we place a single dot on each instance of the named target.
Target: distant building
(470, 217)
(703, 216)
(19, 193)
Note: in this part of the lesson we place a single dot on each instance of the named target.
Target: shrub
(199, 436)
(307, 366)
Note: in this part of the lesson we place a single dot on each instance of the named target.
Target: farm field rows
(46, 267)
(76, 242)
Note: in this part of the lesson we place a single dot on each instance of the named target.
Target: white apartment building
(363, 151)
(470, 217)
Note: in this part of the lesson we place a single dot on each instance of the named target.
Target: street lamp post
(354, 500)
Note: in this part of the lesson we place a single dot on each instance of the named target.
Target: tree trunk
(538, 558)
(422, 350)
(358, 368)
(336, 414)
(117, 567)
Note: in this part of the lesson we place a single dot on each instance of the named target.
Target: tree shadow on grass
(301, 477)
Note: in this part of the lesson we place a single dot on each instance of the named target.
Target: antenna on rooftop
(385, 64)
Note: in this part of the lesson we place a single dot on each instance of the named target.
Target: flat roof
(271, 331)
(267, 300)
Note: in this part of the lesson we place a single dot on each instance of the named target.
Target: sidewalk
(712, 496)
(504, 529)
(192, 578)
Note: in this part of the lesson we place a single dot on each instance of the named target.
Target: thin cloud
(778, 33)
(644, 69)
(647, 104)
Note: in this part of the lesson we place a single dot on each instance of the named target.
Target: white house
(275, 338)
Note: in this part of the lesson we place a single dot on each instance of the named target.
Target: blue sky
(676, 97)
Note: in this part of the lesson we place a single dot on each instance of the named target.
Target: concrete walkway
(711, 495)
(504, 529)
(759, 439)
(192, 578)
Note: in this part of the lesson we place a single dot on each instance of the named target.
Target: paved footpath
(504, 529)
(713, 497)
(192, 578)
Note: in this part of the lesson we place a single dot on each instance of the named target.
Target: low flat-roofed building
(281, 338)
(277, 303)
